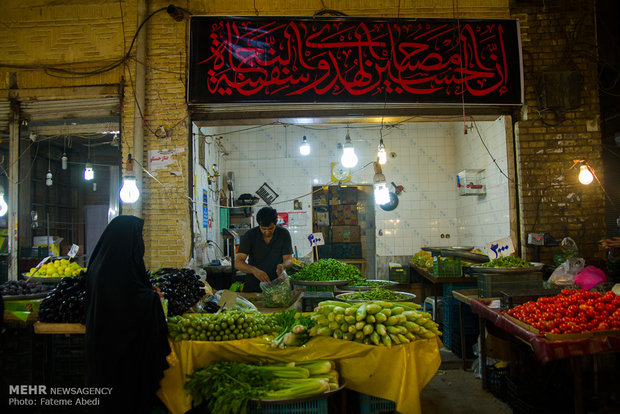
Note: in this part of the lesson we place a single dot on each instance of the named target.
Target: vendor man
(269, 249)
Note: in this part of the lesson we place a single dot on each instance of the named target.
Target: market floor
(454, 390)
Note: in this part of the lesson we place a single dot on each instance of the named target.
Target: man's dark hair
(266, 216)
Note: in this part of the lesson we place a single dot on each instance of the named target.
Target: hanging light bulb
(89, 174)
(48, 179)
(585, 175)
(349, 159)
(304, 148)
(63, 161)
(382, 191)
(94, 186)
(3, 206)
(381, 154)
(129, 191)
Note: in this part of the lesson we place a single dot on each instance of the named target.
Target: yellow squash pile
(373, 323)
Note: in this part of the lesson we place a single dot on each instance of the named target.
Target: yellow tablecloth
(397, 374)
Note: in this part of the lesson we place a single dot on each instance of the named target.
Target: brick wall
(559, 38)
(83, 34)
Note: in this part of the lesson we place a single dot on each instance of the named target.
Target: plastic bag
(241, 303)
(590, 277)
(567, 250)
(566, 273)
(277, 293)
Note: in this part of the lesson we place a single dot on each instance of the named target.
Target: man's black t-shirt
(264, 256)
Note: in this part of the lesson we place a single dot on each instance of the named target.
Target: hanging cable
(458, 34)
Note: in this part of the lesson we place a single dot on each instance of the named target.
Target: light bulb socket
(63, 161)
(304, 148)
(89, 174)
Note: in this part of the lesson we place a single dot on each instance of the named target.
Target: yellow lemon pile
(58, 268)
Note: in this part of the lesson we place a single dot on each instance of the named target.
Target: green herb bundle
(375, 294)
(507, 261)
(326, 270)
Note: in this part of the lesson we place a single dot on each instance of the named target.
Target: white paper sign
(74, 250)
(159, 159)
(500, 248)
(296, 219)
(316, 239)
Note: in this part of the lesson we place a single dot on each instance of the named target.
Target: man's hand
(613, 245)
(260, 275)
(279, 269)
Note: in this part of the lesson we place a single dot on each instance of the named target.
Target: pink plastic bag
(590, 277)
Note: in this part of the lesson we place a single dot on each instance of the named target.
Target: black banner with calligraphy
(338, 60)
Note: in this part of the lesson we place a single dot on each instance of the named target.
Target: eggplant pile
(181, 287)
(65, 304)
(21, 287)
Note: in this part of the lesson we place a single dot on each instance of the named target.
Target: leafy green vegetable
(365, 282)
(227, 386)
(328, 269)
(507, 261)
(375, 294)
(236, 287)
(295, 328)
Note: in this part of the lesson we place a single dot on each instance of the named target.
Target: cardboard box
(345, 215)
(345, 234)
(52, 242)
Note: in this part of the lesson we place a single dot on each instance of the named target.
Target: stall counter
(397, 374)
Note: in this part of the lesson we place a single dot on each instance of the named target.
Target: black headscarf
(126, 332)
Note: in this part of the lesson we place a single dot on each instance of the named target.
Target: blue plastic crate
(451, 315)
(449, 287)
(446, 337)
(374, 405)
(307, 407)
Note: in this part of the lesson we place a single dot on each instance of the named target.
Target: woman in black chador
(126, 332)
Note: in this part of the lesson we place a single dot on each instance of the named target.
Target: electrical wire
(488, 151)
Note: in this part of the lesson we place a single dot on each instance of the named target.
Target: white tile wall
(483, 219)
(427, 159)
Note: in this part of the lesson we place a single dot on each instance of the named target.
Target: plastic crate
(309, 300)
(492, 284)
(374, 405)
(346, 250)
(446, 267)
(496, 381)
(446, 337)
(68, 360)
(522, 403)
(399, 274)
(449, 287)
(34, 252)
(509, 298)
(307, 407)
(455, 343)
(451, 317)
(324, 251)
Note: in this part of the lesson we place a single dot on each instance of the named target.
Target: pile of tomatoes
(571, 311)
